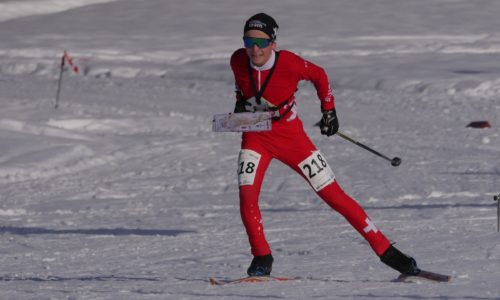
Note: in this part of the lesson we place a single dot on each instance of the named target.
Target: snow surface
(125, 193)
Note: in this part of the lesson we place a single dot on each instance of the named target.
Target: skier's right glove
(240, 106)
(329, 123)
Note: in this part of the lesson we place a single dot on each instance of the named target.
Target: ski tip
(214, 281)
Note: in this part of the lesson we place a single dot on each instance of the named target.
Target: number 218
(314, 167)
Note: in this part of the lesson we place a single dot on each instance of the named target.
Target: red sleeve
(237, 60)
(317, 75)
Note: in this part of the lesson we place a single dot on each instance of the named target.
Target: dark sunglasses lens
(261, 43)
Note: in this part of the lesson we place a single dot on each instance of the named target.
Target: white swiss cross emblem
(370, 227)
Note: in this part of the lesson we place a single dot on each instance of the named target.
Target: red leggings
(290, 144)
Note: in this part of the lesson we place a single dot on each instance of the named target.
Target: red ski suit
(288, 142)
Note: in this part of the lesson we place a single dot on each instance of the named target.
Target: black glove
(240, 106)
(329, 123)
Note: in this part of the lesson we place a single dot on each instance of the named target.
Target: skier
(266, 80)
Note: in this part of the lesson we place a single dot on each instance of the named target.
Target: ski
(251, 279)
(425, 275)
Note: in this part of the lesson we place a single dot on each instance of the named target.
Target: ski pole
(396, 161)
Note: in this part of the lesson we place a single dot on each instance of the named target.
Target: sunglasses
(260, 42)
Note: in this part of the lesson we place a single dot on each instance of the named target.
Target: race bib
(248, 162)
(317, 171)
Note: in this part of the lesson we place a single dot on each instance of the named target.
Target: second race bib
(317, 171)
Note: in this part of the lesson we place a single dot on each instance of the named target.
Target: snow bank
(16, 9)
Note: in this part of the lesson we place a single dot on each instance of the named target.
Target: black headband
(264, 23)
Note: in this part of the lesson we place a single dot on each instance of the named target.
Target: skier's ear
(274, 45)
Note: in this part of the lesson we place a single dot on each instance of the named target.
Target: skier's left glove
(329, 123)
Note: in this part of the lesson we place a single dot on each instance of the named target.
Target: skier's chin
(258, 60)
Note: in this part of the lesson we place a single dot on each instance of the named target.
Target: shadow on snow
(388, 207)
(97, 231)
(81, 278)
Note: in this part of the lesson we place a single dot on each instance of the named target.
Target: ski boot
(399, 261)
(261, 266)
